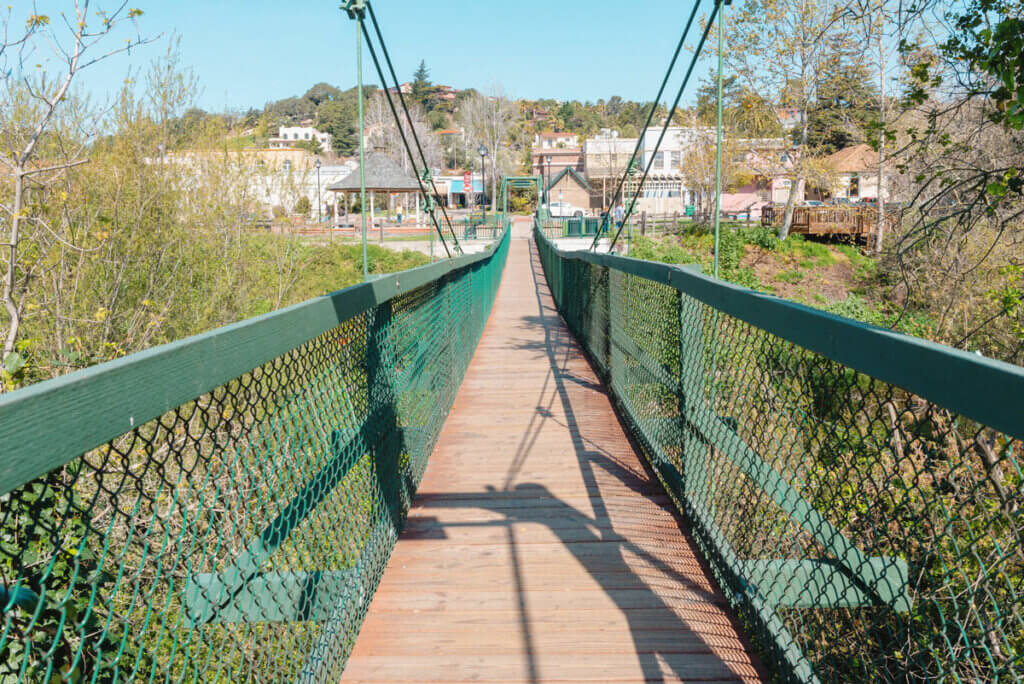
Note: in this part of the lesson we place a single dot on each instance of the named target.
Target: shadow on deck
(540, 547)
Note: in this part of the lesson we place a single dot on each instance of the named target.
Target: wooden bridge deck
(539, 547)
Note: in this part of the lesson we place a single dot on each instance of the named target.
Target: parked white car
(565, 210)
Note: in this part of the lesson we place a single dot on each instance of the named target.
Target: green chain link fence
(222, 508)
(586, 226)
(857, 493)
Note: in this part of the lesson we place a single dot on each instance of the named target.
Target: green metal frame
(87, 408)
(986, 390)
(519, 182)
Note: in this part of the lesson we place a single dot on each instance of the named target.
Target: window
(677, 159)
(659, 160)
(284, 136)
(307, 136)
(663, 188)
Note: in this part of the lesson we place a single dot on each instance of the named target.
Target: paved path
(539, 548)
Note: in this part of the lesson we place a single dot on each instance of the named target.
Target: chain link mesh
(862, 532)
(241, 536)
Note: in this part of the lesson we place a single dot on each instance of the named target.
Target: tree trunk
(494, 177)
(13, 310)
(880, 228)
(795, 189)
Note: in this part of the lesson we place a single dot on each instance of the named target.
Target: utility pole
(718, 147)
(357, 10)
(319, 201)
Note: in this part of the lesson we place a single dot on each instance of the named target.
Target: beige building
(569, 186)
(550, 163)
(856, 170)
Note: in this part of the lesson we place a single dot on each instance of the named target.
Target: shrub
(762, 237)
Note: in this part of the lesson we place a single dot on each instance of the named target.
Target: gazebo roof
(382, 174)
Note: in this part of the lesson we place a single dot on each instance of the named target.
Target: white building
(856, 170)
(281, 178)
(555, 141)
(289, 136)
(665, 189)
(605, 158)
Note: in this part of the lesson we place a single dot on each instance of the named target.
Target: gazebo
(382, 175)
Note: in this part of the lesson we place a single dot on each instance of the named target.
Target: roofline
(576, 175)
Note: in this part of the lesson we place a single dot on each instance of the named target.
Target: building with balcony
(290, 136)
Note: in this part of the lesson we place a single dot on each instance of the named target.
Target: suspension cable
(650, 116)
(405, 108)
(668, 119)
(405, 143)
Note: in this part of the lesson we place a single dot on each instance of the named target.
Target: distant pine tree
(421, 86)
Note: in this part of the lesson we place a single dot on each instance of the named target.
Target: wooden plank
(539, 547)
(647, 667)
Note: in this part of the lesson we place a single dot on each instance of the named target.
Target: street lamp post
(547, 190)
(482, 151)
(319, 201)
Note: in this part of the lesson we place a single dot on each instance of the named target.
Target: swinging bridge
(524, 465)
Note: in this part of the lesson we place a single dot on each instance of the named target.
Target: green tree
(778, 48)
(744, 112)
(339, 117)
(40, 129)
(321, 93)
(312, 146)
(845, 108)
(422, 89)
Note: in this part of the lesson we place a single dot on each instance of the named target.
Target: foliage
(846, 104)
(744, 112)
(386, 134)
(153, 252)
(333, 111)
(987, 36)
(787, 51)
(55, 603)
(421, 86)
(584, 118)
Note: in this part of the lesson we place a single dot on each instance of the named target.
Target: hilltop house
(554, 141)
(289, 136)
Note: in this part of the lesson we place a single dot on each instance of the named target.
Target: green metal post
(718, 147)
(362, 139)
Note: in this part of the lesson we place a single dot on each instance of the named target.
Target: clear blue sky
(248, 53)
